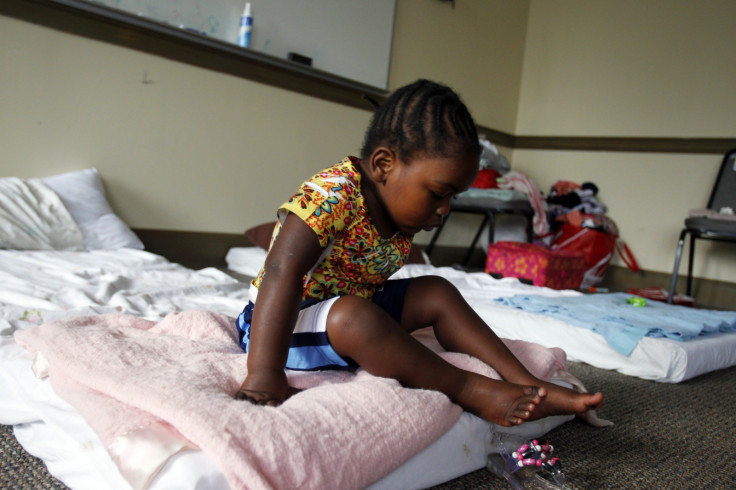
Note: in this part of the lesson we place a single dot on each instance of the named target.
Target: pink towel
(151, 389)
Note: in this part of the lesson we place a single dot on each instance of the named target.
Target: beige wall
(661, 68)
(179, 147)
(185, 148)
(630, 68)
(477, 48)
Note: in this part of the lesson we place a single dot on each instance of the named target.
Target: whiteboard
(349, 38)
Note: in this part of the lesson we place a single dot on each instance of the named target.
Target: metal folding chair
(711, 223)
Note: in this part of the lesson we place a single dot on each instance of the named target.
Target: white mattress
(36, 287)
(657, 359)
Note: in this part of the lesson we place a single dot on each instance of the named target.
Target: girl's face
(416, 195)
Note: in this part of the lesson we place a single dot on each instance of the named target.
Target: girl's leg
(434, 301)
(362, 331)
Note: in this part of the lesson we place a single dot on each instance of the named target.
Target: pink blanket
(152, 389)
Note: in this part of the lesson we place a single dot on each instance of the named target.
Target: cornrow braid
(422, 118)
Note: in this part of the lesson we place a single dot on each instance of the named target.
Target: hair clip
(531, 461)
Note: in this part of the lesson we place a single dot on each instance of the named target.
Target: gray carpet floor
(665, 436)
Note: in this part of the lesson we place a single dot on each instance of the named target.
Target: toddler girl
(323, 298)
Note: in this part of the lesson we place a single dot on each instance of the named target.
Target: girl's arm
(293, 253)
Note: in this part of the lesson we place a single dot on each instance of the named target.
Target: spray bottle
(246, 24)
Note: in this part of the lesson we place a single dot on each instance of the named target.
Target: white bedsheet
(128, 281)
(37, 287)
(657, 359)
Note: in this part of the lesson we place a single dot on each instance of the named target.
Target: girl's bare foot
(500, 402)
(565, 401)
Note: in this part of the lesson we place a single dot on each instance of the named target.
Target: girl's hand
(268, 388)
(292, 255)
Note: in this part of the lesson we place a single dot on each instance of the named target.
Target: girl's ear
(382, 162)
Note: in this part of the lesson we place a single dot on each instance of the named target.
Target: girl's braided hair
(423, 118)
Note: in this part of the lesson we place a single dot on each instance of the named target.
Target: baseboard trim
(708, 293)
(192, 249)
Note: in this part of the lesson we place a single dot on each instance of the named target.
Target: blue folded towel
(622, 324)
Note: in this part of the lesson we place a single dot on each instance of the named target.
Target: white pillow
(84, 196)
(32, 217)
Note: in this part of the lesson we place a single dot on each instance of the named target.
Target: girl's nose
(444, 207)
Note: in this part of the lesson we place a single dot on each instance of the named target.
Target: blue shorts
(310, 348)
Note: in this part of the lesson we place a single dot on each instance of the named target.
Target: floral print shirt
(356, 259)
